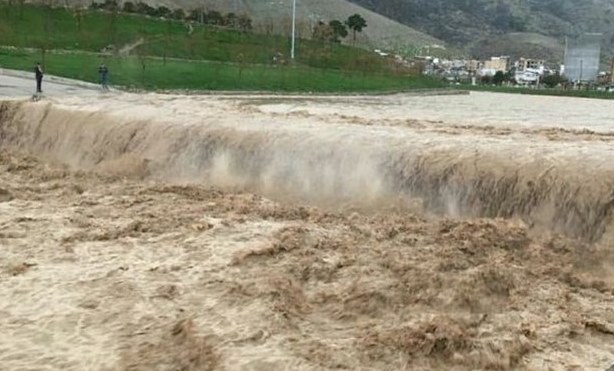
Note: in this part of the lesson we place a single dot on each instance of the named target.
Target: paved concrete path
(19, 85)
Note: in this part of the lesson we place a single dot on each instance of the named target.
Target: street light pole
(293, 29)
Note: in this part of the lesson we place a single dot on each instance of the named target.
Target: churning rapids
(254, 232)
(544, 160)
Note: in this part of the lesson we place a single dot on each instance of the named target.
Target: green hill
(60, 28)
(155, 53)
(275, 17)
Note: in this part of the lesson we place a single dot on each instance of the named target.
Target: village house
(524, 64)
(498, 64)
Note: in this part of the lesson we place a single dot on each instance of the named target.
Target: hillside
(151, 53)
(483, 24)
(275, 16)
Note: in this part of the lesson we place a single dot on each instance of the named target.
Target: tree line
(333, 31)
(337, 30)
(212, 17)
(500, 77)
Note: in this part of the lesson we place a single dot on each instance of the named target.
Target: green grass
(542, 91)
(210, 75)
(58, 28)
(209, 58)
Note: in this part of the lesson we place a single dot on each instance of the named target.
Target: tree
(214, 18)
(268, 27)
(230, 20)
(163, 11)
(552, 81)
(356, 23)
(143, 8)
(79, 13)
(129, 7)
(245, 23)
(322, 32)
(110, 5)
(111, 26)
(178, 14)
(194, 15)
(340, 30)
(498, 78)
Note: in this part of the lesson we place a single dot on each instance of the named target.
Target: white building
(529, 76)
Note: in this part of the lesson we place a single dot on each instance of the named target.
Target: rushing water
(361, 151)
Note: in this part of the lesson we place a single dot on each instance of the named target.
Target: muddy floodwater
(263, 232)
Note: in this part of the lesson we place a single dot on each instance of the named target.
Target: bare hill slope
(489, 22)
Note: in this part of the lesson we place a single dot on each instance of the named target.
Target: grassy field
(168, 56)
(59, 28)
(542, 91)
(153, 73)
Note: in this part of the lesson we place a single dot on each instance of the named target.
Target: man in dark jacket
(38, 71)
(103, 71)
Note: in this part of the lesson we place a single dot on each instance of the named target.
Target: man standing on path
(103, 71)
(38, 71)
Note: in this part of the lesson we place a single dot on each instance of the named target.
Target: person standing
(103, 71)
(38, 71)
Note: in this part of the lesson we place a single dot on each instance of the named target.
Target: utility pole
(293, 29)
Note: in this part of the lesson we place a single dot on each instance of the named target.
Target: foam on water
(552, 185)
